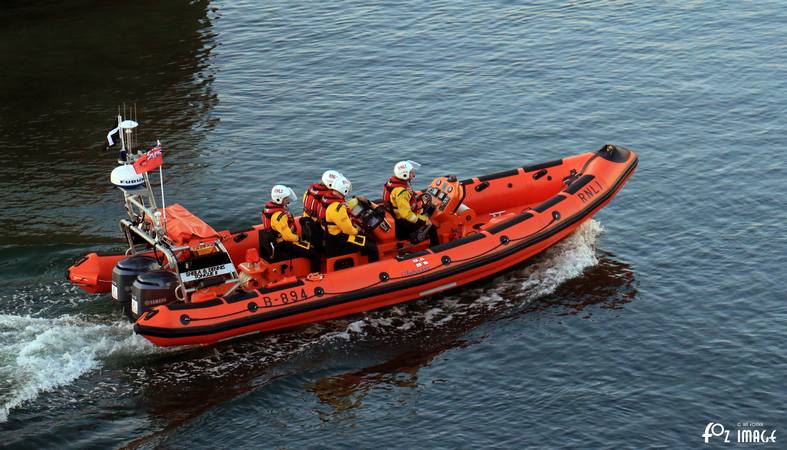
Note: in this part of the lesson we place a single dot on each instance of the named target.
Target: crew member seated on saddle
(406, 205)
(316, 198)
(342, 237)
(284, 242)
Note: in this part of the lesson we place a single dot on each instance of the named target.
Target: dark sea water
(666, 312)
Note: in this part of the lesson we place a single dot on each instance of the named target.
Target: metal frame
(129, 227)
(172, 262)
(138, 212)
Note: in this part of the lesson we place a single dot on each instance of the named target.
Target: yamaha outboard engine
(124, 274)
(152, 289)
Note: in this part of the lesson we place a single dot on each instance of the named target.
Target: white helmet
(280, 193)
(330, 176)
(341, 185)
(405, 170)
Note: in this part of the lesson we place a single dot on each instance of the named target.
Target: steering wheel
(428, 205)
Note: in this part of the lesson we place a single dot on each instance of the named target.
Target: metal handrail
(172, 261)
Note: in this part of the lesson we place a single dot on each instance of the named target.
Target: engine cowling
(125, 273)
(152, 289)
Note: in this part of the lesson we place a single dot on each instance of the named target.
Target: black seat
(312, 232)
(266, 245)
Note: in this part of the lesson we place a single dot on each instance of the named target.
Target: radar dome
(126, 178)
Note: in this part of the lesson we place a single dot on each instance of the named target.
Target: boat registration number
(207, 272)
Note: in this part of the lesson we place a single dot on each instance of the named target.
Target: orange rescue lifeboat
(199, 286)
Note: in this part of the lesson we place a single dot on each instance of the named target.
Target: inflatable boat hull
(515, 229)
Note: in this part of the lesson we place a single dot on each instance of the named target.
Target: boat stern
(93, 272)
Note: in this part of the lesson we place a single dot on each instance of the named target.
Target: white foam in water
(355, 328)
(39, 354)
(564, 261)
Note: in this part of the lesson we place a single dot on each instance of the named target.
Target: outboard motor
(152, 289)
(124, 274)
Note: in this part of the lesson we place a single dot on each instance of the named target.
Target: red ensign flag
(151, 160)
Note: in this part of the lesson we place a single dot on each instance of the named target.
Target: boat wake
(566, 260)
(42, 354)
(39, 354)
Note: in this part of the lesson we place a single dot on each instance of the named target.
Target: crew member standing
(278, 220)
